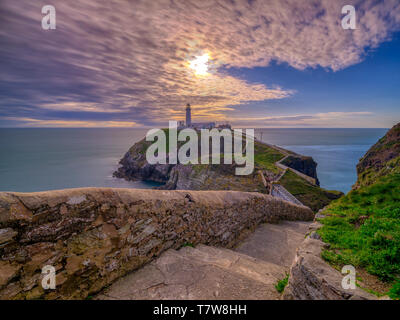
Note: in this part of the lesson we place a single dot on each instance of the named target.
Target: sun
(200, 64)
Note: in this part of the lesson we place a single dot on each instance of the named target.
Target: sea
(39, 159)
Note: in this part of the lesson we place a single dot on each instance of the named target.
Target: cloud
(331, 119)
(31, 122)
(132, 57)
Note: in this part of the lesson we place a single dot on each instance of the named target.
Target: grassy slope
(363, 227)
(265, 157)
(314, 197)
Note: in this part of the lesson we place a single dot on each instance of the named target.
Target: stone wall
(93, 236)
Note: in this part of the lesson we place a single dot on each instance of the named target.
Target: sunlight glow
(200, 65)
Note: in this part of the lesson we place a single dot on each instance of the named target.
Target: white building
(200, 125)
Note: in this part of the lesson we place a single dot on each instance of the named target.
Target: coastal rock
(305, 165)
(311, 278)
(133, 166)
(380, 159)
(383, 151)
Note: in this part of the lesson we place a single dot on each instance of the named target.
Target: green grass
(280, 286)
(188, 244)
(363, 229)
(265, 157)
(394, 292)
(369, 175)
(312, 196)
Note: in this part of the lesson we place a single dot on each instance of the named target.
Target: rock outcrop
(362, 228)
(133, 166)
(380, 159)
(311, 278)
(355, 224)
(92, 236)
(305, 165)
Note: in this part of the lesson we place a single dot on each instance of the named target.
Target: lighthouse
(188, 115)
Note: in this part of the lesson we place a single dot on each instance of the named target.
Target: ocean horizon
(40, 159)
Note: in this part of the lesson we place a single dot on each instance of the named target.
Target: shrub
(280, 286)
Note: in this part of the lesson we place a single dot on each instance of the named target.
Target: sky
(253, 63)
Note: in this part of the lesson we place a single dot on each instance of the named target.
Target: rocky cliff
(133, 166)
(361, 229)
(381, 159)
(311, 278)
(305, 165)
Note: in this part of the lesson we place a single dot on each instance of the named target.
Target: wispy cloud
(31, 123)
(131, 57)
(332, 119)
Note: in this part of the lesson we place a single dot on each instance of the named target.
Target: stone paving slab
(275, 243)
(190, 274)
(248, 272)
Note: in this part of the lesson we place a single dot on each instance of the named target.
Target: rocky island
(280, 168)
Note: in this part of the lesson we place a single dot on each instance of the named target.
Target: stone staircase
(279, 191)
(249, 271)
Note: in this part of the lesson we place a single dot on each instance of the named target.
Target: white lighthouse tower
(188, 115)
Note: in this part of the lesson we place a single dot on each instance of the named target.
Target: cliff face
(381, 159)
(363, 227)
(303, 164)
(183, 177)
(135, 167)
(186, 177)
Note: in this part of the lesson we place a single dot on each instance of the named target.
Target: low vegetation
(363, 229)
(312, 196)
(188, 244)
(265, 157)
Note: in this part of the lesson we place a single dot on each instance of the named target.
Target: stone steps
(275, 243)
(280, 192)
(199, 273)
(248, 272)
